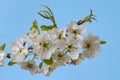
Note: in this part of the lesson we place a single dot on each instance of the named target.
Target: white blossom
(91, 46)
(32, 35)
(61, 59)
(18, 50)
(44, 47)
(72, 46)
(29, 65)
(74, 30)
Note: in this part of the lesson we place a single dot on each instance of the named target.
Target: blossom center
(44, 45)
(29, 66)
(88, 45)
(75, 32)
(21, 50)
(59, 36)
(60, 56)
(69, 47)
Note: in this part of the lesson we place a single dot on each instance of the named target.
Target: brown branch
(80, 22)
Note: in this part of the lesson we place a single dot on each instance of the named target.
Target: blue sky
(16, 17)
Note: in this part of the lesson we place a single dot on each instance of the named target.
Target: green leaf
(103, 42)
(34, 26)
(40, 65)
(11, 63)
(46, 28)
(2, 46)
(49, 61)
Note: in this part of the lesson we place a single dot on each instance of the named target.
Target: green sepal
(35, 26)
(103, 42)
(2, 46)
(11, 63)
(46, 28)
(40, 65)
(49, 61)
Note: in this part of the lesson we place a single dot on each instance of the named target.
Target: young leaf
(49, 9)
(89, 17)
(49, 61)
(11, 63)
(34, 25)
(44, 16)
(47, 14)
(2, 46)
(46, 28)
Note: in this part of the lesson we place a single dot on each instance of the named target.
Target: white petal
(61, 44)
(18, 58)
(74, 55)
(82, 30)
(2, 57)
(45, 70)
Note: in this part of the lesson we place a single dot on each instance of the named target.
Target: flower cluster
(43, 53)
